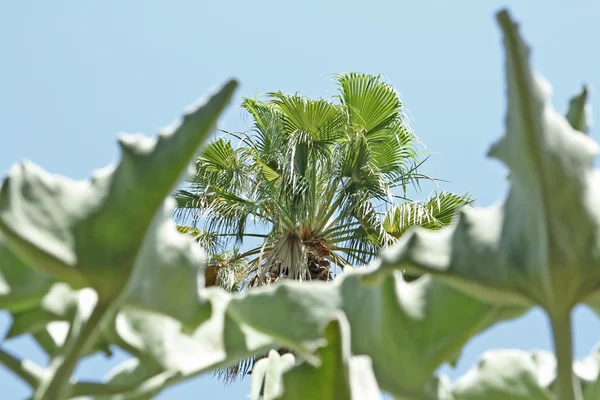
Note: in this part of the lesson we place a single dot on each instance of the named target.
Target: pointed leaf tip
(503, 16)
(579, 112)
(92, 233)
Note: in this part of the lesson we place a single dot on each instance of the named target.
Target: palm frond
(208, 240)
(236, 371)
(322, 121)
(315, 178)
(372, 104)
(434, 213)
(269, 134)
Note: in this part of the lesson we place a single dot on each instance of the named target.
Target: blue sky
(75, 74)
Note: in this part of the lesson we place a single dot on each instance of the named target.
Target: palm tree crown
(312, 186)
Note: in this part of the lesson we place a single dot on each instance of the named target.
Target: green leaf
(539, 246)
(20, 285)
(305, 308)
(82, 334)
(340, 376)
(167, 354)
(579, 113)
(409, 329)
(434, 213)
(48, 320)
(588, 372)
(219, 155)
(371, 103)
(322, 121)
(106, 235)
(59, 304)
(267, 376)
(131, 379)
(384, 317)
(508, 375)
(193, 353)
(168, 263)
(106, 231)
(231, 334)
(518, 375)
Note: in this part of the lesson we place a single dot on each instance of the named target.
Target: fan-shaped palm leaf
(434, 213)
(311, 176)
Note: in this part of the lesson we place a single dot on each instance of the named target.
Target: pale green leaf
(20, 285)
(371, 103)
(131, 378)
(167, 354)
(319, 119)
(267, 376)
(384, 317)
(409, 329)
(508, 375)
(169, 263)
(98, 233)
(106, 234)
(539, 246)
(588, 372)
(58, 305)
(434, 213)
(141, 332)
(82, 335)
(340, 376)
(579, 114)
(369, 328)
(48, 320)
(518, 375)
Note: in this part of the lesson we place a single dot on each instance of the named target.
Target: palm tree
(312, 187)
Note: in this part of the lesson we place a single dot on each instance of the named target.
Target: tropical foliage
(86, 266)
(314, 185)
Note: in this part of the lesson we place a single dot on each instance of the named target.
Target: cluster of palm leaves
(314, 187)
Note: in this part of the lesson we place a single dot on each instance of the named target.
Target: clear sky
(75, 74)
